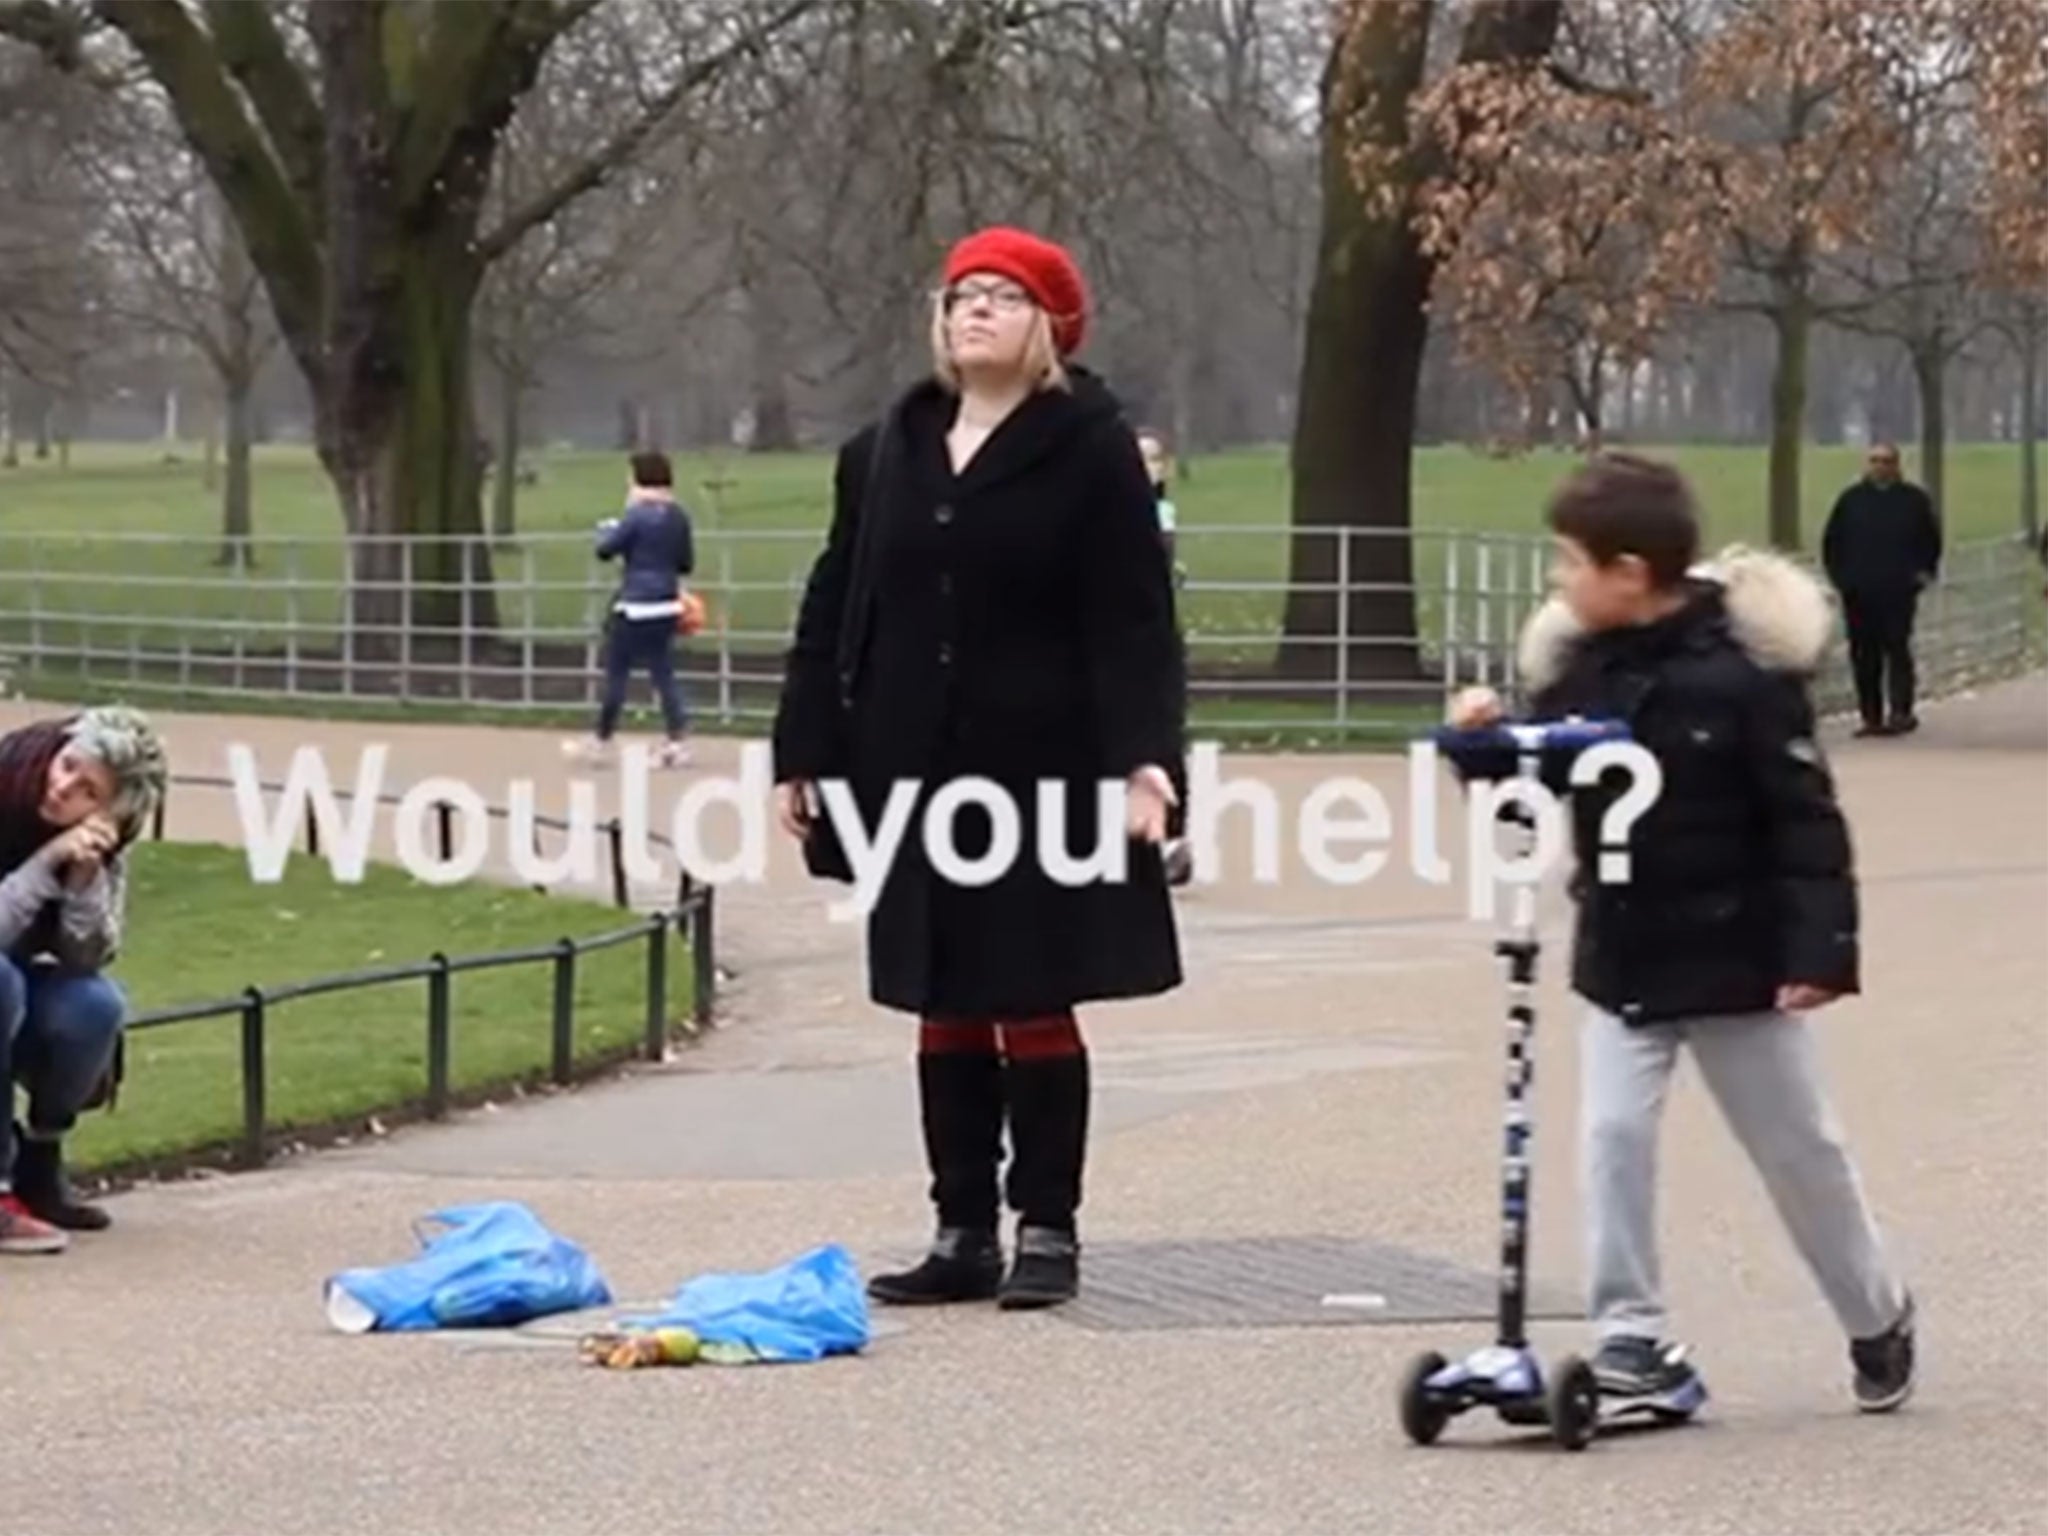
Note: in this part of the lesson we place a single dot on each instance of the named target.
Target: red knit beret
(1042, 269)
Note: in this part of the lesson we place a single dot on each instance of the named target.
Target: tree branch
(254, 53)
(60, 33)
(275, 224)
(57, 32)
(1579, 85)
(592, 171)
(466, 76)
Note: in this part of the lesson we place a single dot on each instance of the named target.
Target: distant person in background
(655, 542)
(1159, 468)
(1882, 547)
(75, 794)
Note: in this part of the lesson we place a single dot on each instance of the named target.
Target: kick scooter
(1507, 1375)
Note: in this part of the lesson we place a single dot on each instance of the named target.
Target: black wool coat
(1014, 623)
(1741, 874)
(1881, 541)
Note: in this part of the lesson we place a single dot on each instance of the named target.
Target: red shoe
(22, 1233)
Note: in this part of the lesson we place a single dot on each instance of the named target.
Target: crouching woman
(75, 793)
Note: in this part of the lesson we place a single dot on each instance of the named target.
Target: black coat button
(944, 514)
(945, 654)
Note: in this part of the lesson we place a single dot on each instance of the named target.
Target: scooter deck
(1678, 1405)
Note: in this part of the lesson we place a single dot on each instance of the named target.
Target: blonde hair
(1167, 466)
(1041, 355)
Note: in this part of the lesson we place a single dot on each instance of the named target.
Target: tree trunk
(774, 418)
(10, 450)
(1361, 365)
(1588, 400)
(2030, 423)
(404, 455)
(505, 484)
(1930, 367)
(44, 413)
(1891, 410)
(1367, 331)
(236, 526)
(1793, 322)
(209, 456)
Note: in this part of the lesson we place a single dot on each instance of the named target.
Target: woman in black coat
(992, 602)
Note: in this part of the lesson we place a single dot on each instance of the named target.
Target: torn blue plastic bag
(491, 1265)
(811, 1307)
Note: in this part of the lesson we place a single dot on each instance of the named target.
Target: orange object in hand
(692, 616)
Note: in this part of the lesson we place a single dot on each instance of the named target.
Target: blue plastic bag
(490, 1265)
(811, 1307)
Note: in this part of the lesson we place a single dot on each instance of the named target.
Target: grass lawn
(761, 519)
(199, 929)
(762, 525)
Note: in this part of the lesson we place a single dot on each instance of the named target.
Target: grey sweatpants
(1760, 1068)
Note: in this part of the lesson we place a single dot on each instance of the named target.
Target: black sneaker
(1884, 1366)
(1047, 1271)
(1627, 1366)
(40, 1181)
(964, 1264)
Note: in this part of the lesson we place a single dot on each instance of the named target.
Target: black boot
(961, 1103)
(40, 1183)
(964, 1264)
(1047, 1271)
(1048, 1103)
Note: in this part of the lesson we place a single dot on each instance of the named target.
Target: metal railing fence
(689, 916)
(1286, 629)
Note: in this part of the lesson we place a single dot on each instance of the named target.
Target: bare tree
(356, 151)
(544, 292)
(1917, 278)
(51, 268)
(187, 276)
(1368, 324)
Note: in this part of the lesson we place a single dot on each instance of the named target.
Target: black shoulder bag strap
(853, 624)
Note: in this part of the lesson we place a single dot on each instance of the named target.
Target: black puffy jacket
(1741, 871)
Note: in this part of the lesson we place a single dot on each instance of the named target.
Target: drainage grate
(1277, 1282)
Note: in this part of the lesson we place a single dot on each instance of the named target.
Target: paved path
(1332, 1070)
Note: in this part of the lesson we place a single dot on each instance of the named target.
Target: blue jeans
(57, 1036)
(641, 644)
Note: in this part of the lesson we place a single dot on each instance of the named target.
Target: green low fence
(690, 919)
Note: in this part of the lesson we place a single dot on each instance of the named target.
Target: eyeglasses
(1005, 298)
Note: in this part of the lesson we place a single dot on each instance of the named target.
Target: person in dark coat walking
(993, 601)
(1881, 548)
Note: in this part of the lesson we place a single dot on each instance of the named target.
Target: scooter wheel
(1422, 1416)
(1574, 1404)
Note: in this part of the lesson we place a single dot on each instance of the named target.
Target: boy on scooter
(1739, 913)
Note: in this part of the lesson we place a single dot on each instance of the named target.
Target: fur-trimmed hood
(1779, 614)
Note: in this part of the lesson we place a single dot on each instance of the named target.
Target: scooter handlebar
(1531, 736)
